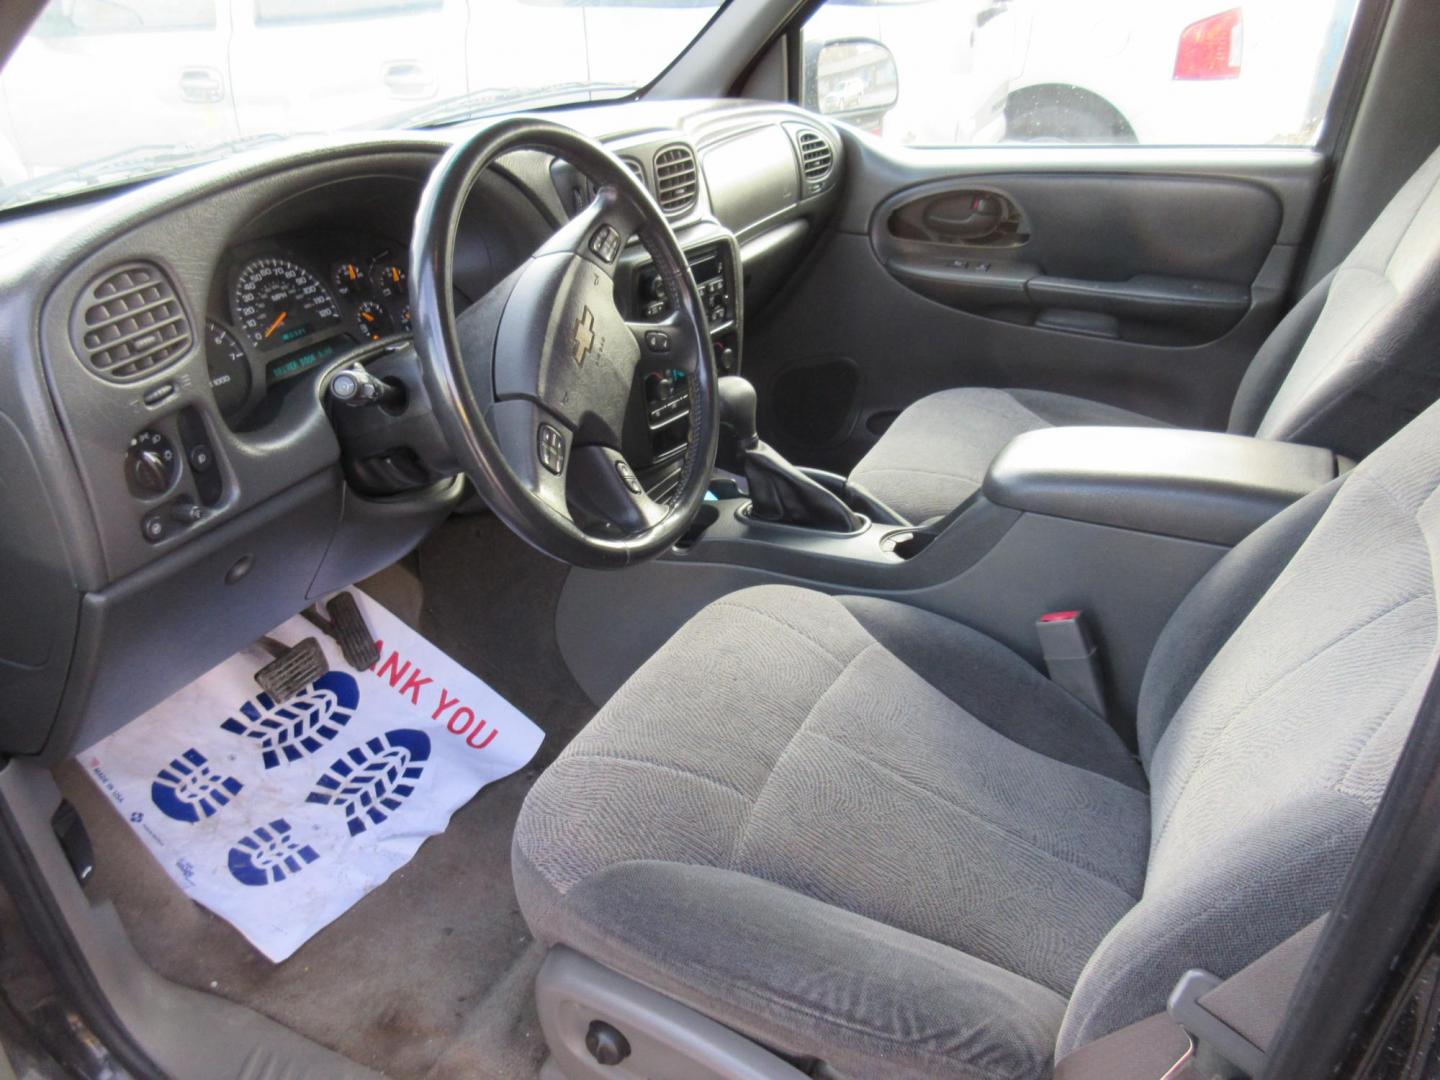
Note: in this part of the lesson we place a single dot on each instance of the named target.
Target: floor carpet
(430, 974)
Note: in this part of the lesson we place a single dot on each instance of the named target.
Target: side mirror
(853, 79)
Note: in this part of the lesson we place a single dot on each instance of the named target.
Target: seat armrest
(1197, 485)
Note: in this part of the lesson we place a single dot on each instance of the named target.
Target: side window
(279, 12)
(70, 18)
(1156, 72)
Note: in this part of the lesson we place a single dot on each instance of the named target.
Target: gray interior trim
(879, 168)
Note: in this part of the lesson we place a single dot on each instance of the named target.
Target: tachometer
(230, 375)
(277, 302)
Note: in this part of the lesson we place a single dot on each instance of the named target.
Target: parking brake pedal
(343, 622)
(294, 667)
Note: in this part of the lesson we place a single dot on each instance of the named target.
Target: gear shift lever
(779, 492)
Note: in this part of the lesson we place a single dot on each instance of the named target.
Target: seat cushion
(989, 824)
(936, 453)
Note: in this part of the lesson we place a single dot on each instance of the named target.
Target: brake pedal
(294, 668)
(343, 622)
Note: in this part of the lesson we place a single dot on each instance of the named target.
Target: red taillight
(1210, 48)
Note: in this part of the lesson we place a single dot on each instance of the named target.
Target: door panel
(1144, 277)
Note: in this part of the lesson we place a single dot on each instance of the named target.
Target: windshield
(104, 91)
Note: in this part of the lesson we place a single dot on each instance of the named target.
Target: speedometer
(277, 302)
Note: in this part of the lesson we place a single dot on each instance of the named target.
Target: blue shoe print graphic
(303, 724)
(270, 855)
(373, 780)
(188, 789)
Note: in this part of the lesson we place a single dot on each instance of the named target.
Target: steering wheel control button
(550, 446)
(657, 341)
(201, 459)
(605, 243)
(628, 477)
(151, 465)
(152, 527)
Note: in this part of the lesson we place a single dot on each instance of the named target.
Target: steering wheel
(537, 385)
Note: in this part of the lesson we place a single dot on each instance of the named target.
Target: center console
(1117, 522)
(714, 258)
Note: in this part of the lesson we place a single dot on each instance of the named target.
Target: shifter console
(779, 492)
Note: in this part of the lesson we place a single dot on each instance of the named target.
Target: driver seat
(879, 843)
(1350, 364)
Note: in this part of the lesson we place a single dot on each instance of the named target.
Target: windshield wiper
(478, 103)
(127, 166)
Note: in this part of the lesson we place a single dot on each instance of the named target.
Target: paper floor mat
(279, 818)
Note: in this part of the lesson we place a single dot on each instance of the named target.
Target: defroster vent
(129, 323)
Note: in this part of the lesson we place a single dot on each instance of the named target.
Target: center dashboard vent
(677, 183)
(817, 157)
(130, 322)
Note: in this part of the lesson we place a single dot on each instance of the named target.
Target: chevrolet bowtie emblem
(584, 336)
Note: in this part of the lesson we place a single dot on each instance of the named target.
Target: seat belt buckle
(1072, 659)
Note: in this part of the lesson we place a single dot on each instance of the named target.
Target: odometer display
(290, 366)
(276, 302)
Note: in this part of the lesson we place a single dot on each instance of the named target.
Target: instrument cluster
(285, 306)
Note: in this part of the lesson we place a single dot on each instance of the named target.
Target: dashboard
(177, 481)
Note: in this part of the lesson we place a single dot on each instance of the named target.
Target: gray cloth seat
(863, 834)
(1351, 363)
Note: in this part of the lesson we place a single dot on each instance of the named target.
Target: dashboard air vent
(676, 181)
(816, 156)
(634, 167)
(130, 323)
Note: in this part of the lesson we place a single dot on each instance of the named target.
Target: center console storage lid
(1197, 485)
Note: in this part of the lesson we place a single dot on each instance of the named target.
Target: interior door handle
(201, 86)
(408, 79)
(970, 218)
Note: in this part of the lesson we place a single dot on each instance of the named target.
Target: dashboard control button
(152, 527)
(200, 457)
(156, 394)
(151, 465)
(550, 447)
(185, 512)
(657, 340)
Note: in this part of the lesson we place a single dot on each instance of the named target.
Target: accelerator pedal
(342, 621)
(294, 668)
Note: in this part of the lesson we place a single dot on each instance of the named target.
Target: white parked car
(1196, 72)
